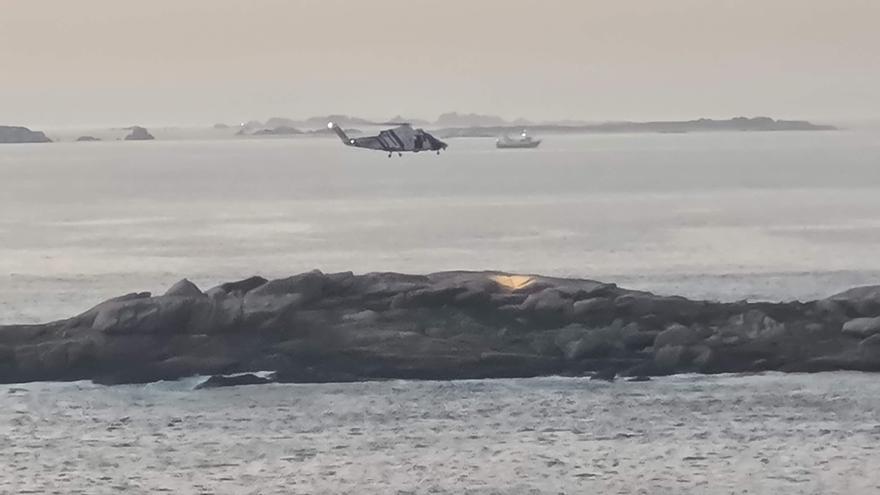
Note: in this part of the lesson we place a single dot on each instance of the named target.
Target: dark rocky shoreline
(316, 327)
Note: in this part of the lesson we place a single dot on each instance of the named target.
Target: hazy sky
(109, 62)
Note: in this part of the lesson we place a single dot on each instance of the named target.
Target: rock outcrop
(138, 133)
(14, 134)
(86, 139)
(278, 131)
(862, 327)
(318, 327)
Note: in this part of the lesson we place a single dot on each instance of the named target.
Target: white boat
(523, 141)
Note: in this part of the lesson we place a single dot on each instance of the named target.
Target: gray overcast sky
(108, 62)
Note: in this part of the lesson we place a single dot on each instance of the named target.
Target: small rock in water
(218, 381)
(606, 375)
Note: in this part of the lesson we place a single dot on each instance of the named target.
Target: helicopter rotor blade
(390, 123)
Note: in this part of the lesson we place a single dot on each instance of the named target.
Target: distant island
(455, 119)
(672, 127)
(282, 130)
(455, 124)
(16, 134)
(139, 134)
(451, 119)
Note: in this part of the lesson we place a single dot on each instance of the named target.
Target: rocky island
(17, 134)
(317, 327)
(138, 133)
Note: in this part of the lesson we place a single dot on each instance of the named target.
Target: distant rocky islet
(137, 133)
(20, 135)
(17, 134)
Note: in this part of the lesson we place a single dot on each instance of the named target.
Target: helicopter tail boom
(342, 135)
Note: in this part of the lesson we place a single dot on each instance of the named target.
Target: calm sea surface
(721, 216)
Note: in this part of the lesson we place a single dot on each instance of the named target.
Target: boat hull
(515, 144)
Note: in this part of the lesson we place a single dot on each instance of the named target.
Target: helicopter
(397, 140)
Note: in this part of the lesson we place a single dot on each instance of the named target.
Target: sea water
(764, 434)
(763, 216)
